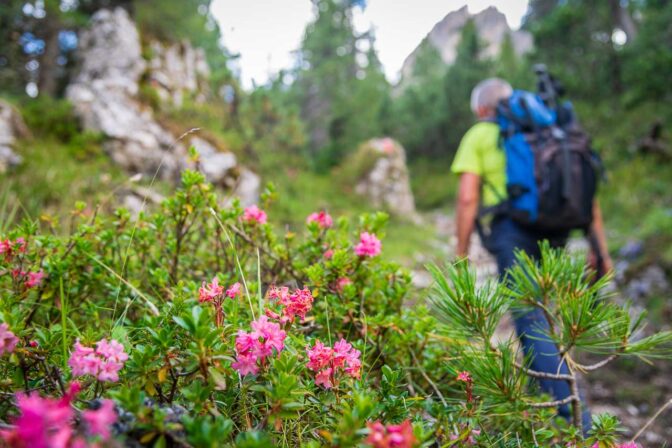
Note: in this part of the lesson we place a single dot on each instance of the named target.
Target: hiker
(481, 163)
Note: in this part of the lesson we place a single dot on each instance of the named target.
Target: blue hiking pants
(505, 237)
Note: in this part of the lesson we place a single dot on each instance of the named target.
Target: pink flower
(322, 218)
(270, 332)
(8, 340)
(246, 364)
(369, 245)
(628, 445)
(9, 248)
(210, 292)
(340, 359)
(299, 303)
(254, 214)
(323, 378)
(244, 342)
(233, 291)
(328, 254)
(319, 356)
(43, 422)
(464, 376)
(34, 279)
(112, 350)
(342, 282)
(253, 348)
(5, 248)
(99, 421)
(104, 363)
(391, 436)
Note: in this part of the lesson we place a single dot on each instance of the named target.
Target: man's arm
(468, 197)
(597, 229)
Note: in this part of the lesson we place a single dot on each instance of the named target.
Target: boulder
(12, 127)
(384, 178)
(104, 94)
(178, 69)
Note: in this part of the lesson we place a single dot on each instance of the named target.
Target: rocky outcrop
(385, 182)
(492, 28)
(178, 69)
(104, 95)
(12, 127)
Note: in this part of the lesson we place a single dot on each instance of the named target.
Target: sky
(265, 32)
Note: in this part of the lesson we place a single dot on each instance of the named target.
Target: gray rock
(386, 184)
(650, 281)
(247, 187)
(12, 127)
(631, 250)
(217, 166)
(104, 96)
(178, 69)
(446, 34)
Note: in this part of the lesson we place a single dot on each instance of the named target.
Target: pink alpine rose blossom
(328, 254)
(323, 378)
(9, 248)
(254, 215)
(233, 291)
(43, 422)
(254, 347)
(369, 245)
(8, 340)
(331, 362)
(298, 303)
(246, 364)
(99, 421)
(342, 282)
(464, 376)
(391, 436)
(34, 279)
(322, 218)
(104, 362)
(210, 292)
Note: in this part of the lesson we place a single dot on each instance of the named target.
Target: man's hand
(598, 233)
(468, 197)
(605, 266)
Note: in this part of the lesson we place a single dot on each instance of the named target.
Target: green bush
(47, 116)
(178, 326)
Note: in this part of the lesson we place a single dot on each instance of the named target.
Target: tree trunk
(622, 19)
(48, 75)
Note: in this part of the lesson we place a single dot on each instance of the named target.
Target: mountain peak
(492, 27)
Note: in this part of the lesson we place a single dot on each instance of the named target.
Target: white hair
(489, 92)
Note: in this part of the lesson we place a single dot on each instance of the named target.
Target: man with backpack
(531, 179)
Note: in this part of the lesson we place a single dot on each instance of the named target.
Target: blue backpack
(551, 169)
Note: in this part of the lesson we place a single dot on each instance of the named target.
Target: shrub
(207, 328)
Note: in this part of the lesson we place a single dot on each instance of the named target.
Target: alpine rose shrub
(199, 367)
(369, 245)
